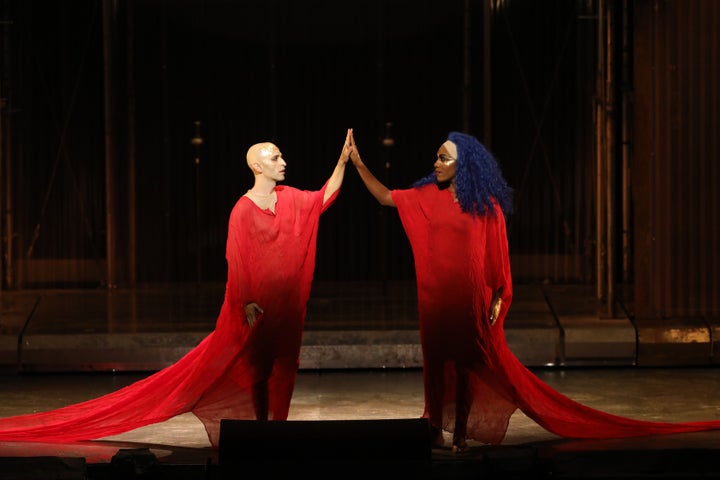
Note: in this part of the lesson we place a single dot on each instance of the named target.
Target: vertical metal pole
(109, 163)
(467, 78)
(167, 168)
(5, 158)
(487, 75)
(388, 141)
(610, 163)
(197, 141)
(626, 243)
(4, 181)
(273, 96)
(131, 145)
(600, 156)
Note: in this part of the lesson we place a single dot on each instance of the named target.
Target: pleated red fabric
(271, 261)
(460, 260)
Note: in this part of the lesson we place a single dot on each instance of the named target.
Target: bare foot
(459, 445)
(436, 436)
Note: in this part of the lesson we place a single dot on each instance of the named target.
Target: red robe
(271, 260)
(460, 261)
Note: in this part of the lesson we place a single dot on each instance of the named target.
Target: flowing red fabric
(460, 260)
(271, 261)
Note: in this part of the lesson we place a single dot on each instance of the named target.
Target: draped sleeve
(460, 261)
(270, 260)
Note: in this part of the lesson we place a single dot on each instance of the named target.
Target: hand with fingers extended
(354, 153)
(348, 147)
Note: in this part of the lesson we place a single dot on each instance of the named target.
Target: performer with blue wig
(455, 221)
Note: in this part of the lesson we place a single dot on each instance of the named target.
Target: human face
(272, 163)
(444, 166)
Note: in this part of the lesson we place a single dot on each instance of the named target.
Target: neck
(451, 189)
(262, 189)
(255, 193)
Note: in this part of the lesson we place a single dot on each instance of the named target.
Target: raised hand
(354, 154)
(347, 147)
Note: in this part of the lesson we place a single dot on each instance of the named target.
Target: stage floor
(179, 448)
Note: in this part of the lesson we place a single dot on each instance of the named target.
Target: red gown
(460, 261)
(271, 261)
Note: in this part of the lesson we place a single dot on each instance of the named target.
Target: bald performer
(271, 258)
(245, 368)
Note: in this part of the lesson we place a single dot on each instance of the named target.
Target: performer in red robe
(246, 368)
(455, 221)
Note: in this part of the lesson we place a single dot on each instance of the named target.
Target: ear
(256, 168)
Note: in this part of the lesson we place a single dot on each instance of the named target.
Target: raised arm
(374, 186)
(338, 174)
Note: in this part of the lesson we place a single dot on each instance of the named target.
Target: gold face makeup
(445, 162)
(446, 159)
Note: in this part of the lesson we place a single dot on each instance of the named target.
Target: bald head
(259, 152)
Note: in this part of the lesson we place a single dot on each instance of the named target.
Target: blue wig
(478, 178)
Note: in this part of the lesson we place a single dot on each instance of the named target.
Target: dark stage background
(101, 184)
(298, 74)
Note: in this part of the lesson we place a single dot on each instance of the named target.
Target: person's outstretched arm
(336, 179)
(374, 186)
